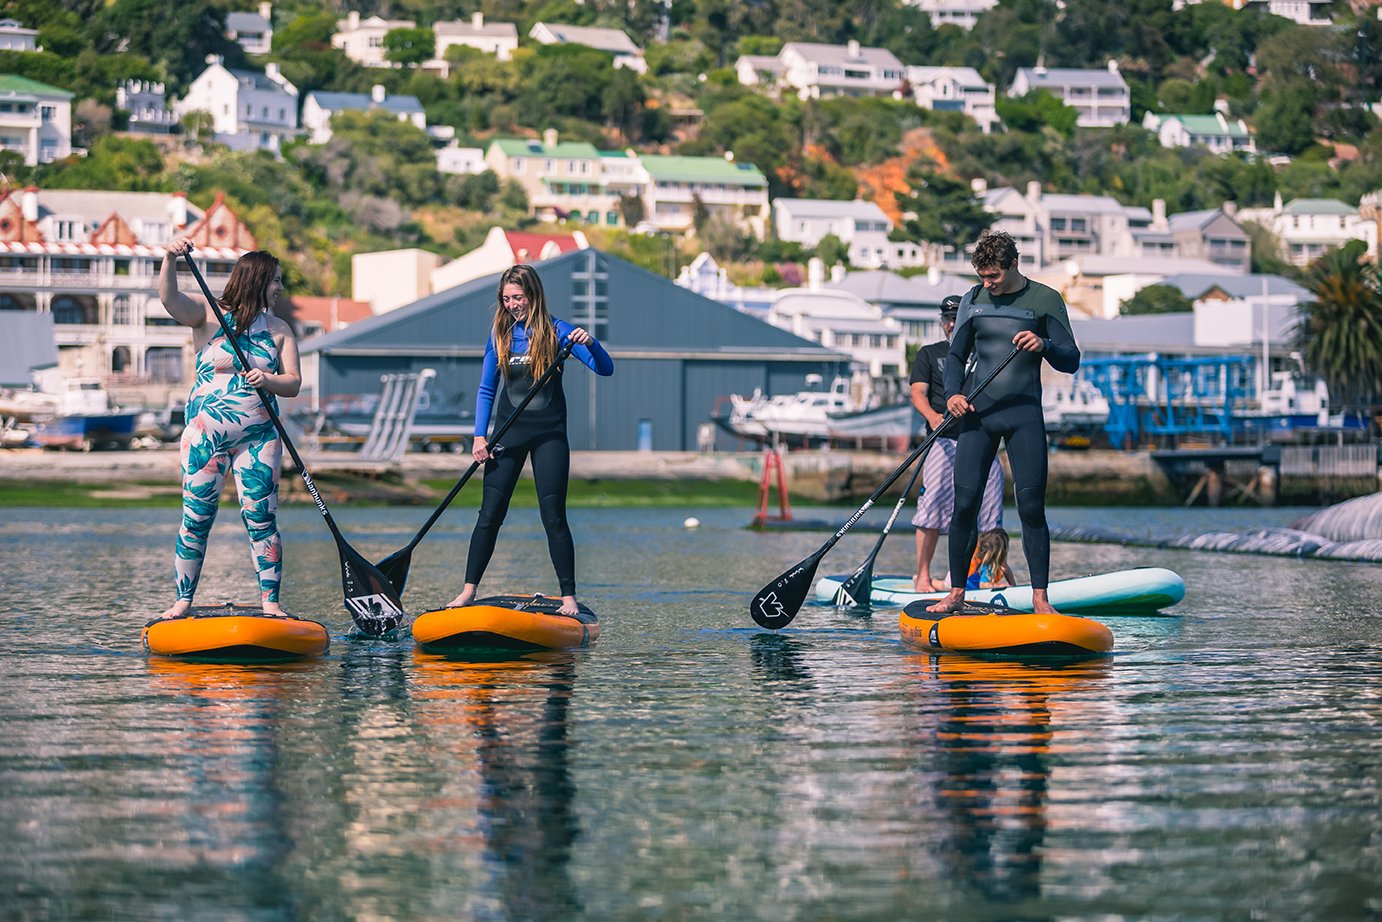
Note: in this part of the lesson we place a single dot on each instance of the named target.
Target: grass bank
(363, 491)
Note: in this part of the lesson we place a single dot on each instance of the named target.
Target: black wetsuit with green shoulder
(1009, 409)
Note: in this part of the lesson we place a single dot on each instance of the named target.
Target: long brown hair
(542, 332)
(992, 552)
(247, 292)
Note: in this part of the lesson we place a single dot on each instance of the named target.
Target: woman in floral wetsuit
(228, 428)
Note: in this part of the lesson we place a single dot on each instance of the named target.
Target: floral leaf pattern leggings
(228, 430)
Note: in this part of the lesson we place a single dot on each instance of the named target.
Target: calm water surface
(1226, 763)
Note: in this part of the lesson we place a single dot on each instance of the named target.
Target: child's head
(993, 548)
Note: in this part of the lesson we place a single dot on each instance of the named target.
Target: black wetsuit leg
(501, 476)
(1026, 441)
(1023, 430)
(551, 474)
(975, 450)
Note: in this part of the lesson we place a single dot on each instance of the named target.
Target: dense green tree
(116, 163)
(623, 103)
(181, 36)
(1341, 328)
(409, 46)
(831, 251)
(1156, 299)
(1035, 110)
(939, 209)
(860, 131)
(564, 81)
(1284, 122)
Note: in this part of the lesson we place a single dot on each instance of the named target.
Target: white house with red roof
(91, 260)
(503, 249)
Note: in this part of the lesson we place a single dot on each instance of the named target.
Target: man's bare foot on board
(1041, 603)
(569, 606)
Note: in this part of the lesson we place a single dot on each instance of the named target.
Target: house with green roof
(563, 179)
(1308, 227)
(1217, 132)
(35, 119)
(723, 186)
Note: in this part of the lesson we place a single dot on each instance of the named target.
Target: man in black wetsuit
(1012, 312)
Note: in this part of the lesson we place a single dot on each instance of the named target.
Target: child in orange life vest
(989, 569)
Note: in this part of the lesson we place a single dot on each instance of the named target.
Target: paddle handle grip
(263, 394)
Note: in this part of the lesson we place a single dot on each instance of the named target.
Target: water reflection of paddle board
(506, 622)
(236, 633)
(1001, 632)
(1139, 591)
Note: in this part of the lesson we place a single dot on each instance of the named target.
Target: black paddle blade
(373, 602)
(395, 568)
(778, 602)
(858, 589)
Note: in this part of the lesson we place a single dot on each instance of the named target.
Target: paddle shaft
(864, 573)
(498, 434)
(777, 603)
(917, 452)
(264, 399)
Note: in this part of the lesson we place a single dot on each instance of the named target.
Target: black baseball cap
(950, 307)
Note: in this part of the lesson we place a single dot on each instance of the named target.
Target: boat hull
(1001, 634)
(86, 431)
(1140, 591)
(236, 633)
(515, 623)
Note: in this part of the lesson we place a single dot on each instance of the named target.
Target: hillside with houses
(818, 168)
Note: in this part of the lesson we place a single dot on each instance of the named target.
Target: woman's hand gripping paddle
(395, 566)
(777, 603)
(373, 602)
(858, 589)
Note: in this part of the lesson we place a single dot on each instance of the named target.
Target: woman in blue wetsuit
(522, 346)
(1010, 312)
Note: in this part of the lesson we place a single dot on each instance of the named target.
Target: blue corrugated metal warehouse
(677, 354)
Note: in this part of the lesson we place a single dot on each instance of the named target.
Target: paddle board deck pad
(1140, 591)
(236, 633)
(995, 631)
(524, 623)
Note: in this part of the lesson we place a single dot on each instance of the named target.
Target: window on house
(48, 113)
(120, 313)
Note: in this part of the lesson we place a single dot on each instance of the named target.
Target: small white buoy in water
(692, 522)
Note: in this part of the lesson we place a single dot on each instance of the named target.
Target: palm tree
(1340, 332)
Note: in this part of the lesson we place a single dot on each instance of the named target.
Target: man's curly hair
(995, 250)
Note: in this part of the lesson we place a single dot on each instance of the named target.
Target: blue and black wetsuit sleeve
(489, 386)
(593, 355)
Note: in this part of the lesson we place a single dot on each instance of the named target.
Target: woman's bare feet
(921, 583)
(465, 598)
(954, 601)
(180, 608)
(271, 608)
(569, 606)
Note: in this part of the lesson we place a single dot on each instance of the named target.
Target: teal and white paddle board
(1139, 591)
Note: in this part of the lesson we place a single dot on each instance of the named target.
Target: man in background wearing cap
(937, 500)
